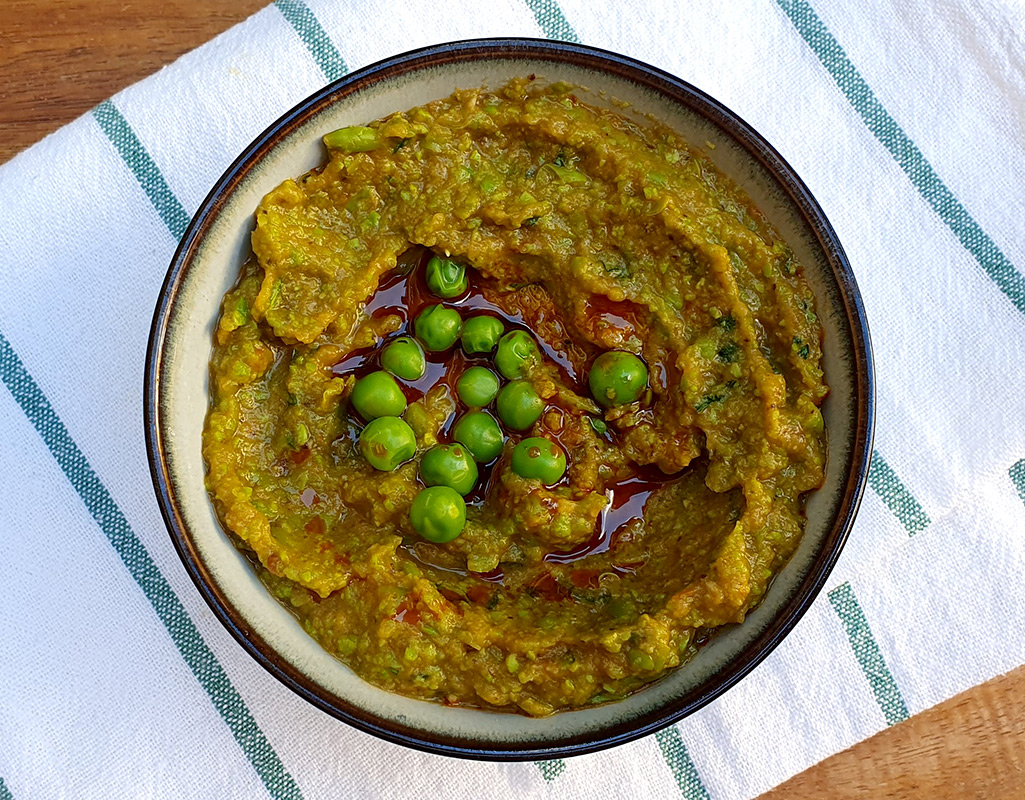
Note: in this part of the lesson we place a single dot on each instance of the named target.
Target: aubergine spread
(666, 506)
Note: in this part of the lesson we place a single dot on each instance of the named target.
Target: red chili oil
(404, 294)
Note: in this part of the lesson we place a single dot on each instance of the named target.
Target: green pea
(519, 407)
(449, 465)
(539, 458)
(481, 334)
(446, 278)
(480, 434)
(516, 352)
(617, 378)
(387, 442)
(477, 387)
(354, 139)
(378, 395)
(438, 513)
(438, 327)
(404, 357)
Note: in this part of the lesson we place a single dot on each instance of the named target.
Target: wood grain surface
(59, 59)
(969, 747)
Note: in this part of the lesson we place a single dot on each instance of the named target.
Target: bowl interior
(177, 398)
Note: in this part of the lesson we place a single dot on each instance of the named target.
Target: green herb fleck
(728, 353)
(808, 313)
(275, 295)
(706, 401)
(573, 177)
(617, 270)
(599, 425)
(726, 322)
(802, 348)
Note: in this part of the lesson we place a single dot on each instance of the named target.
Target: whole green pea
(516, 353)
(479, 433)
(378, 395)
(617, 378)
(387, 442)
(446, 278)
(519, 406)
(354, 139)
(539, 458)
(438, 514)
(438, 327)
(449, 465)
(477, 387)
(481, 334)
(404, 357)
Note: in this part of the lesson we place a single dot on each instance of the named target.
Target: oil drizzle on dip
(590, 232)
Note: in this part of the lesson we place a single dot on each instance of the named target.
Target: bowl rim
(679, 92)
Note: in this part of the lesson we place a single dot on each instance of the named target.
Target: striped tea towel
(905, 118)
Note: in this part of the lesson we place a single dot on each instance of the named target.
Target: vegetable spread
(516, 401)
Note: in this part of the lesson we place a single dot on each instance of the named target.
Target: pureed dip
(515, 401)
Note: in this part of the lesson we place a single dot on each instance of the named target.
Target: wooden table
(59, 59)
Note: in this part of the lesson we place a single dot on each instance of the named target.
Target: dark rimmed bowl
(207, 264)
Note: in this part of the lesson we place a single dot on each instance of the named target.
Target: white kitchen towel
(904, 117)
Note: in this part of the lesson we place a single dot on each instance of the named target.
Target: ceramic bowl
(207, 264)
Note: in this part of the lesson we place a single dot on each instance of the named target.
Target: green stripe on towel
(314, 37)
(555, 26)
(165, 602)
(906, 153)
(5, 793)
(143, 167)
(1017, 473)
(552, 21)
(550, 17)
(550, 770)
(899, 500)
(674, 751)
(869, 656)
